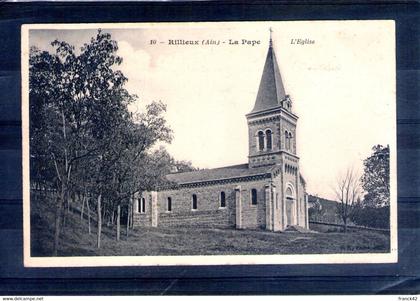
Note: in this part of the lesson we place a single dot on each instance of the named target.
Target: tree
(52, 122)
(348, 194)
(316, 212)
(85, 143)
(373, 217)
(136, 139)
(75, 102)
(375, 179)
(183, 166)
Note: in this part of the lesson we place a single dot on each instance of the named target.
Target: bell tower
(271, 123)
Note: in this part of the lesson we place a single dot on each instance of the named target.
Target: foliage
(316, 212)
(375, 180)
(83, 139)
(373, 217)
(183, 166)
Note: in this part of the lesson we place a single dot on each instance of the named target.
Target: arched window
(254, 200)
(261, 140)
(290, 140)
(138, 201)
(143, 205)
(194, 202)
(269, 139)
(169, 204)
(222, 199)
(286, 140)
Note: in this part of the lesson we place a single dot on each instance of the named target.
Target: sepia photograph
(209, 143)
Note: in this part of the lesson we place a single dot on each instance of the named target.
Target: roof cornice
(216, 181)
(271, 111)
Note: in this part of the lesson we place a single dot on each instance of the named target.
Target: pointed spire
(271, 90)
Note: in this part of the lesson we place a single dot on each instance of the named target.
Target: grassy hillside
(75, 240)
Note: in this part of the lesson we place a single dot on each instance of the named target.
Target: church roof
(271, 91)
(216, 174)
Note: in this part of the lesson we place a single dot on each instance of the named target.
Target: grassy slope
(193, 241)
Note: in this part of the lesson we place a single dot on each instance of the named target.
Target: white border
(90, 261)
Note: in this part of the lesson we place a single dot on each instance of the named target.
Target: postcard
(209, 143)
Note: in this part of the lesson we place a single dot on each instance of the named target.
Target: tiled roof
(214, 174)
(271, 91)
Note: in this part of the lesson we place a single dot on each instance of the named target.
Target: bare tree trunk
(99, 221)
(58, 213)
(132, 212)
(88, 208)
(83, 207)
(64, 213)
(128, 218)
(118, 221)
(63, 195)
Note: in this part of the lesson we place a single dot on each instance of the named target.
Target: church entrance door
(290, 207)
(290, 212)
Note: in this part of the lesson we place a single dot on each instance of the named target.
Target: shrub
(373, 217)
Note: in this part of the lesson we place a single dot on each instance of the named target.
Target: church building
(267, 192)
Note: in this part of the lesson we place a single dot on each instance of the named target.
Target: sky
(342, 86)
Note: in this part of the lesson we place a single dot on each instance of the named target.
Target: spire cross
(271, 39)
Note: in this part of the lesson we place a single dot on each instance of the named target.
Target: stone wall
(198, 218)
(281, 183)
(264, 157)
(208, 213)
(262, 125)
(253, 216)
(143, 219)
